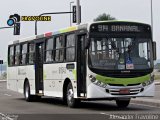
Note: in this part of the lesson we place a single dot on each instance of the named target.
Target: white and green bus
(109, 60)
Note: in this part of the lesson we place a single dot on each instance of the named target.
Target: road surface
(13, 104)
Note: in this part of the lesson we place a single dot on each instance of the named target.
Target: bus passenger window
(11, 56)
(17, 55)
(59, 52)
(31, 53)
(70, 47)
(49, 50)
(24, 54)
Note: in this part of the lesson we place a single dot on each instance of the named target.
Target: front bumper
(94, 91)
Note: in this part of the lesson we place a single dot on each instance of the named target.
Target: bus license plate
(124, 91)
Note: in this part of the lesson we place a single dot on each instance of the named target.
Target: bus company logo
(17, 18)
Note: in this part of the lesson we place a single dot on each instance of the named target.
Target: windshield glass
(120, 53)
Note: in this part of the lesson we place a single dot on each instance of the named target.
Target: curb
(151, 102)
(157, 83)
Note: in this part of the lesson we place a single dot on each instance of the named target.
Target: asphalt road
(12, 105)
(157, 93)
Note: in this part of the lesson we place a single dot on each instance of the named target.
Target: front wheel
(122, 103)
(71, 101)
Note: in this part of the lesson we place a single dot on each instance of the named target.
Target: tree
(104, 17)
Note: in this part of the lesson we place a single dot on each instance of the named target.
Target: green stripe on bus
(75, 74)
(124, 81)
(44, 75)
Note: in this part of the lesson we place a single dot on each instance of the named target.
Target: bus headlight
(97, 82)
(92, 78)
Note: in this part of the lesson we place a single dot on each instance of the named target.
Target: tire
(27, 95)
(71, 101)
(122, 103)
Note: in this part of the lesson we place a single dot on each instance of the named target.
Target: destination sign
(119, 28)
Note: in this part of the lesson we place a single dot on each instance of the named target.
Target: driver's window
(143, 50)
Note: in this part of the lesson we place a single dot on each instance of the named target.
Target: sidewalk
(157, 82)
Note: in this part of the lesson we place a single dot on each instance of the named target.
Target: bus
(105, 60)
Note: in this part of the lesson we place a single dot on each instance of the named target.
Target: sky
(133, 10)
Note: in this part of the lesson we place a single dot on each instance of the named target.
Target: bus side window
(24, 54)
(70, 47)
(49, 50)
(31, 53)
(17, 55)
(11, 56)
(59, 51)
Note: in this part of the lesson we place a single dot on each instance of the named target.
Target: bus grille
(132, 91)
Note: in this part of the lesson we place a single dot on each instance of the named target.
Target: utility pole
(78, 12)
(152, 16)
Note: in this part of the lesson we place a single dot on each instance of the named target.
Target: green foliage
(104, 17)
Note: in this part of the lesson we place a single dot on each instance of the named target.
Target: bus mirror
(154, 50)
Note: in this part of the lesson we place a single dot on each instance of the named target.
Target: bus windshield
(120, 53)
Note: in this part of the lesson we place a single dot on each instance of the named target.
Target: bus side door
(39, 67)
(81, 65)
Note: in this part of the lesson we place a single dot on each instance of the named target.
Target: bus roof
(47, 34)
(69, 29)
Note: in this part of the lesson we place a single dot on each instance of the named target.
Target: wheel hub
(70, 95)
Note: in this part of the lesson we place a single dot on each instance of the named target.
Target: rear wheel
(71, 101)
(27, 94)
(122, 103)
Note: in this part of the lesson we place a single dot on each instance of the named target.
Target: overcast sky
(134, 10)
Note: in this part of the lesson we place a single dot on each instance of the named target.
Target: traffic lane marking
(5, 117)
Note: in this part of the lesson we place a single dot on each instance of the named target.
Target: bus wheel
(27, 94)
(71, 101)
(122, 103)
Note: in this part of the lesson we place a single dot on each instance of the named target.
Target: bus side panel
(12, 73)
(21, 75)
(30, 75)
(54, 77)
(52, 80)
(17, 75)
(69, 71)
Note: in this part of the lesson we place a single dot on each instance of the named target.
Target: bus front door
(39, 67)
(81, 66)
